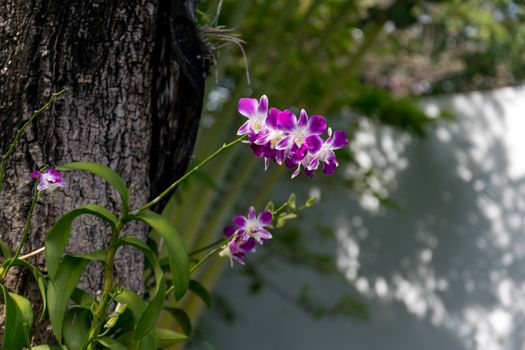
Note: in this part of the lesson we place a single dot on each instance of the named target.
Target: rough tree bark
(134, 73)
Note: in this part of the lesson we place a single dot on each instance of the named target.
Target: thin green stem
(25, 234)
(20, 132)
(102, 308)
(275, 212)
(211, 253)
(195, 252)
(185, 176)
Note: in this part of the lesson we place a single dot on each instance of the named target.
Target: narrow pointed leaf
(182, 319)
(201, 292)
(104, 172)
(167, 337)
(151, 314)
(177, 255)
(111, 343)
(58, 236)
(148, 253)
(60, 290)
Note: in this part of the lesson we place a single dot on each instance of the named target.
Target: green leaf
(111, 343)
(201, 292)
(167, 337)
(182, 319)
(107, 174)
(151, 314)
(133, 302)
(76, 327)
(291, 201)
(137, 307)
(4, 249)
(98, 255)
(60, 289)
(47, 347)
(40, 280)
(177, 255)
(148, 253)
(311, 201)
(18, 320)
(82, 298)
(58, 236)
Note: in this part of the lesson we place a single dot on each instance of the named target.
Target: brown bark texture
(134, 72)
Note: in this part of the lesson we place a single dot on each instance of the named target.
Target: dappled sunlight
(454, 254)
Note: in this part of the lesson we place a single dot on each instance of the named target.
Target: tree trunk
(134, 73)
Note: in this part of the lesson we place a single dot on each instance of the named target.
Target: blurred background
(417, 241)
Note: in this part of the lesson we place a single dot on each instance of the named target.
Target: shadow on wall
(446, 271)
(455, 255)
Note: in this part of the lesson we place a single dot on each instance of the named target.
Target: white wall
(446, 271)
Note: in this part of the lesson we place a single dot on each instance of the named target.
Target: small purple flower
(326, 155)
(237, 248)
(253, 227)
(50, 179)
(297, 131)
(256, 113)
(245, 233)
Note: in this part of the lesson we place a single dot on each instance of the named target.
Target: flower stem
(102, 308)
(19, 133)
(197, 251)
(25, 234)
(197, 167)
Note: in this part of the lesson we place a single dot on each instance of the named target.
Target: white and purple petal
(316, 125)
(247, 106)
(265, 218)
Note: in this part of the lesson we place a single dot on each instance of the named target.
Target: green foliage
(151, 314)
(107, 174)
(18, 320)
(60, 289)
(167, 337)
(201, 292)
(58, 236)
(177, 255)
(77, 321)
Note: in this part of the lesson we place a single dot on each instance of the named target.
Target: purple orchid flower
(326, 155)
(50, 180)
(237, 248)
(298, 130)
(256, 112)
(245, 233)
(278, 136)
(253, 226)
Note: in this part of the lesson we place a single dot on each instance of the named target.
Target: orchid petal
(244, 129)
(251, 213)
(314, 143)
(303, 118)
(247, 106)
(317, 125)
(286, 121)
(265, 218)
(240, 221)
(263, 105)
(339, 140)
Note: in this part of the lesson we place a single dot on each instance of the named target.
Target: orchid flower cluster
(50, 179)
(245, 233)
(279, 136)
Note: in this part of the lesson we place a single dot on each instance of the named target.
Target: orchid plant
(120, 318)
